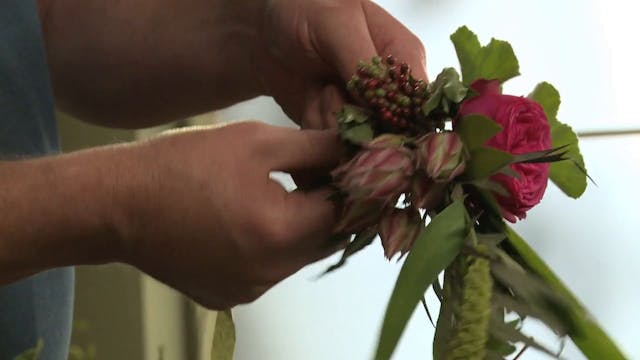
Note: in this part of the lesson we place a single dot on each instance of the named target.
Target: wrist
(56, 213)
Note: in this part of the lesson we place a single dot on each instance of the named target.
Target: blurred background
(586, 48)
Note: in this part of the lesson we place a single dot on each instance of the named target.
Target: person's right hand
(196, 210)
(202, 215)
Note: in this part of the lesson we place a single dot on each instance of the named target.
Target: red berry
(369, 94)
(391, 95)
(393, 73)
(372, 84)
(404, 68)
(387, 116)
(391, 60)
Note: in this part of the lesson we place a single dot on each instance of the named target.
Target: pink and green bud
(399, 229)
(377, 173)
(442, 156)
(426, 193)
(358, 215)
(386, 140)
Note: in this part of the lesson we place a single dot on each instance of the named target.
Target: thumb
(365, 30)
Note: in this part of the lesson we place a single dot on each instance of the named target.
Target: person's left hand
(311, 48)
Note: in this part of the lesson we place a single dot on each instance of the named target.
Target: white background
(588, 50)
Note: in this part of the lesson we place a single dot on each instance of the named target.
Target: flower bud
(358, 215)
(426, 193)
(386, 140)
(380, 172)
(441, 155)
(399, 229)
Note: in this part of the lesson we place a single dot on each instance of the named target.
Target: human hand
(311, 48)
(199, 212)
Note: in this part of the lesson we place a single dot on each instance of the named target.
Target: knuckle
(270, 221)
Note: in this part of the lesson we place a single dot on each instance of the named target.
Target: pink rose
(525, 129)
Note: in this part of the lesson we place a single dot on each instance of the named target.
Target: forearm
(55, 212)
(141, 62)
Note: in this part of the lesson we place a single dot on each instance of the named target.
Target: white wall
(588, 50)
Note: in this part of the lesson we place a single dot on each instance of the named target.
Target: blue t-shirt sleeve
(41, 306)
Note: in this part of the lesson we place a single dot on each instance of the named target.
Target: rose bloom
(525, 129)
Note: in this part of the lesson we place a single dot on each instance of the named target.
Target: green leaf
(549, 98)
(493, 61)
(499, 348)
(432, 103)
(475, 130)
(353, 114)
(436, 247)
(484, 162)
(504, 332)
(492, 207)
(524, 308)
(361, 240)
(586, 334)
(491, 240)
(444, 331)
(537, 155)
(224, 337)
(426, 309)
(452, 88)
(569, 175)
(32, 354)
(447, 88)
(359, 134)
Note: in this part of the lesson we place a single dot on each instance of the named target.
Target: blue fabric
(41, 306)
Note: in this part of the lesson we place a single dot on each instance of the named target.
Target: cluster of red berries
(388, 88)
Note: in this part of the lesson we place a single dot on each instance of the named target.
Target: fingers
(311, 217)
(321, 112)
(293, 150)
(342, 38)
(364, 30)
(391, 37)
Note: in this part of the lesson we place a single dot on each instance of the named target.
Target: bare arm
(55, 212)
(213, 226)
(142, 62)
